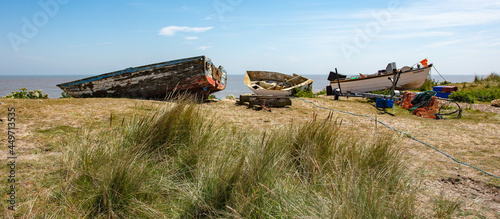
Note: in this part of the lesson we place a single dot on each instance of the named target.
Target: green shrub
(65, 95)
(321, 92)
(307, 92)
(382, 92)
(428, 85)
(472, 96)
(212, 97)
(23, 93)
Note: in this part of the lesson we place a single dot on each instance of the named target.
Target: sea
(235, 84)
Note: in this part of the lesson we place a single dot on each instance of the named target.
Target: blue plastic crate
(437, 88)
(443, 95)
(444, 91)
(384, 103)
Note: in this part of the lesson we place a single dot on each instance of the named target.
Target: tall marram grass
(181, 162)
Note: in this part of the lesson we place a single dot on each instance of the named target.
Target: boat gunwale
(378, 76)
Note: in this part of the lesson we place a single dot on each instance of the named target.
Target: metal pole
(338, 80)
(395, 81)
(338, 83)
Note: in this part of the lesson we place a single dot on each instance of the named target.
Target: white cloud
(204, 47)
(445, 43)
(210, 17)
(191, 38)
(171, 30)
(417, 34)
(447, 13)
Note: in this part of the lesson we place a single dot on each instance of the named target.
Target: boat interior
(283, 84)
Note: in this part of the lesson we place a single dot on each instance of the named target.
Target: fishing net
(406, 98)
(429, 110)
(422, 99)
(423, 105)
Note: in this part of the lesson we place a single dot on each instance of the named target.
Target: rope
(440, 115)
(438, 73)
(389, 127)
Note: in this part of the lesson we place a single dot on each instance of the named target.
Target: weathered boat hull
(298, 82)
(408, 80)
(196, 75)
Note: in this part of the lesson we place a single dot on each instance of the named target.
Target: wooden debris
(264, 102)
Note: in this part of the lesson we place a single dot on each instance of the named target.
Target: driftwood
(265, 102)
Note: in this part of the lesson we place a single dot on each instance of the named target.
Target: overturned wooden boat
(196, 75)
(275, 84)
(409, 78)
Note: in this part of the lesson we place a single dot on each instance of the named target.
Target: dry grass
(475, 139)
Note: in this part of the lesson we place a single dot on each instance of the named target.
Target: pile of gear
(426, 105)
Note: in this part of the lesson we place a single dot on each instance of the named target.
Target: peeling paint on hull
(195, 75)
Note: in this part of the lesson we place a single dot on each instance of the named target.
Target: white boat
(268, 83)
(409, 78)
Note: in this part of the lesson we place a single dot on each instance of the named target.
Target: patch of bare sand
(480, 107)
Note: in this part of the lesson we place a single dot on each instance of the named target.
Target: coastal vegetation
(23, 93)
(481, 90)
(124, 158)
(307, 92)
(175, 162)
(65, 95)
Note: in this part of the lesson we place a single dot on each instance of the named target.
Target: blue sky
(71, 37)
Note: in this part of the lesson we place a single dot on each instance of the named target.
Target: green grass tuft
(445, 208)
